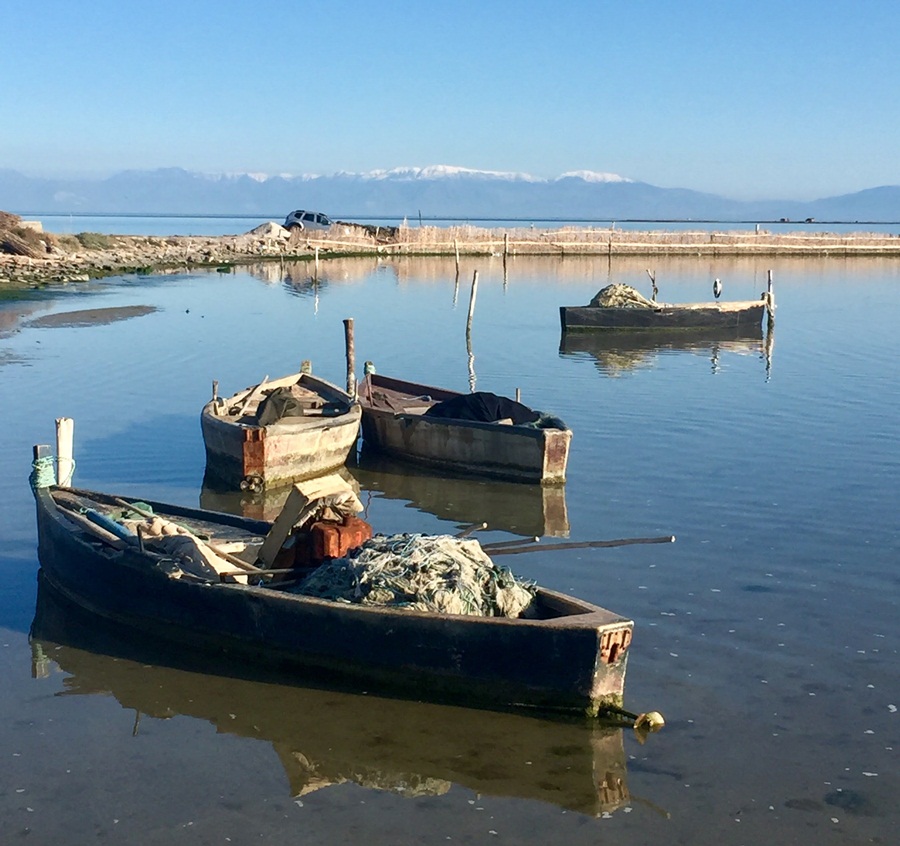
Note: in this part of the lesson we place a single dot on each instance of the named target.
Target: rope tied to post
(43, 472)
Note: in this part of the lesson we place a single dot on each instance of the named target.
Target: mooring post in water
(351, 357)
(770, 298)
(65, 467)
(505, 244)
(456, 249)
(518, 395)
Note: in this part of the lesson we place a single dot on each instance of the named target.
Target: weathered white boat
(430, 426)
(279, 432)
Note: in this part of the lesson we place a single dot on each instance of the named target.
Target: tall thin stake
(471, 356)
(351, 357)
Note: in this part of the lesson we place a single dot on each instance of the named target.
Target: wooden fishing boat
(401, 419)
(567, 655)
(280, 431)
(316, 732)
(644, 315)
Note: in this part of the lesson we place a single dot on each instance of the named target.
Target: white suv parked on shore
(301, 219)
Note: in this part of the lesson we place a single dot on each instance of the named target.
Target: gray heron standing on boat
(717, 287)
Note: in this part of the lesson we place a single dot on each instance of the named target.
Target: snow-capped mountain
(438, 191)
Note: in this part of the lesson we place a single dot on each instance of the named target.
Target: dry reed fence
(472, 240)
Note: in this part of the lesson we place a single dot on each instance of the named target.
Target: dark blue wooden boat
(571, 657)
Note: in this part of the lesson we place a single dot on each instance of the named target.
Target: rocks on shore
(30, 257)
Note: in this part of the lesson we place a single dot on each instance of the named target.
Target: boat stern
(556, 456)
(608, 683)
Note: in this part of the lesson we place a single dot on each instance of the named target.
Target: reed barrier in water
(471, 240)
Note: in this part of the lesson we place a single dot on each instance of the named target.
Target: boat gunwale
(286, 424)
(313, 421)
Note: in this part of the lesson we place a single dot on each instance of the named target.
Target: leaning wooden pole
(351, 357)
(555, 547)
(472, 294)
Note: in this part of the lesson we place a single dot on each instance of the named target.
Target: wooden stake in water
(351, 357)
(65, 463)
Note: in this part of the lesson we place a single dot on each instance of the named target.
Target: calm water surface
(767, 634)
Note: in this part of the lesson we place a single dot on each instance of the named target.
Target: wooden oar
(251, 395)
(583, 545)
(93, 529)
(490, 547)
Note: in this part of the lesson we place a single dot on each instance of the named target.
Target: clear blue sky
(795, 99)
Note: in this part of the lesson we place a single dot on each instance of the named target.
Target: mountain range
(437, 192)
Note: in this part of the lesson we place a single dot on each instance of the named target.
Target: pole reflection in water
(769, 347)
(470, 354)
(410, 748)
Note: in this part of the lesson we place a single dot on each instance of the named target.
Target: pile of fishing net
(424, 573)
(621, 296)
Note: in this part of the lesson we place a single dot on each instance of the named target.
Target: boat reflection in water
(267, 504)
(617, 353)
(410, 748)
(528, 510)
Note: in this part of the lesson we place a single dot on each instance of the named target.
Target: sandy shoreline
(65, 260)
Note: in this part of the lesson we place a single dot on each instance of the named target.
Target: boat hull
(728, 315)
(245, 455)
(495, 450)
(571, 660)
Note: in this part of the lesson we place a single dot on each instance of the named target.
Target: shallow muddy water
(767, 634)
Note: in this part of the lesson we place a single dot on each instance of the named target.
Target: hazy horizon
(755, 102)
